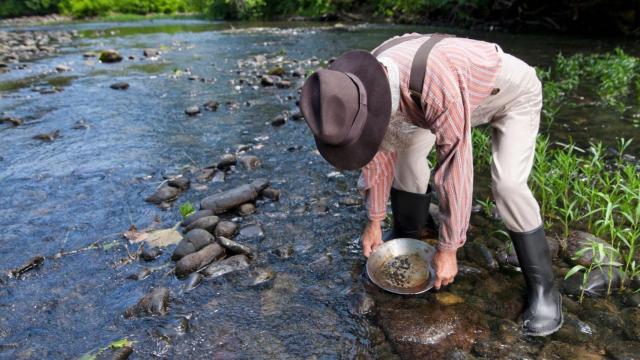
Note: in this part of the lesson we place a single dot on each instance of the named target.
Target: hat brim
(366, 67)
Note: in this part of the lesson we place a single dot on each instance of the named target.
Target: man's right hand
(371, 237)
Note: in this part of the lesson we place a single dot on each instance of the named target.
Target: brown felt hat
(348, 107)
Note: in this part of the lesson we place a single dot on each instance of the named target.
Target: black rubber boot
(410, 214)
(543, 314)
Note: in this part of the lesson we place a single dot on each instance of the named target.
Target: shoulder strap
(419, 68)
(393, 42)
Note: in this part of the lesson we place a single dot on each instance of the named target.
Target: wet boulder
(227, 200)
(119, 86)
(479, 254)
(226, 229)
(150, 52)
(578, 240)
(506, 255)
(193, 241)
(596, 285)
(192, 110)
(207, 223)
(110, 56)
(226, 266)
(165, 193)
(195, 216)
(197, 260)
(250, 162)
(226, 161)
(156, 302)
(180, 182)
(235, 247)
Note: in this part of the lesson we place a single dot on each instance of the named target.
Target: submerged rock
(246, 209)
(211, 105)
(33, 263)
(149, 253)
(226, 229)
(150, 52)
(50, 136)
(140, 275)
(479, 254)
(596, 284)
(110, 56)
(235, 247)
(578, 240)
(192, 282)
(279, 120)
(267, 80)
(193, 241)
(226, 161)
(156, 302)
(227, 200)
(198, 260)
(172, 327)
(271, 194)
(560, 350)
(163, 194)
(195, 216)
(250, 162)
(63, 68)
(180, 182)
(631, 318)
(252, 231)
(119, 86)
(207, 223)
(192, 110)
(14, 121)
(231, 264)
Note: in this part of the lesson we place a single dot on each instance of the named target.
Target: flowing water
(88, 186)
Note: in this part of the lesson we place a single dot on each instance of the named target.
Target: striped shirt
(460, 74)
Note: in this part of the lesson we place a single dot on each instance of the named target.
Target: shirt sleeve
(454, 173)
(375, 183)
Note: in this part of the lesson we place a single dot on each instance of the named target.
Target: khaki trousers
(514, 116)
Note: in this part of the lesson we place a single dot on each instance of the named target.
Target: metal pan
(402, 266)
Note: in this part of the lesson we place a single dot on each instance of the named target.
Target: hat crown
(331, 106)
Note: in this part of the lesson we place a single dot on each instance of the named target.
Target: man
(383, 114)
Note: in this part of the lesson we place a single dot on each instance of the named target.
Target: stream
(115, 147)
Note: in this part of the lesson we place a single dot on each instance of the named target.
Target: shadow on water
(88, 186)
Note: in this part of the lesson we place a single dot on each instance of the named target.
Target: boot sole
(549, 332)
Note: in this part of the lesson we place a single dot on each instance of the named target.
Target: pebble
(283, 84)
(252, 231)
(250, 162)
(207, 223)
(63, 68)
(192, 110)
(120, 86)
(235, 247)
(195, 216)
(271, 194)
(267, 80)
(193, 241)
(296, 116)
(279, 120)
(150, 52)
(247, 209)
(180, 182)
(156, 302)
(199, 259)
(226, 161)
(165, 193)
(226, 229)
(226, 266)
(211, 105)
(110, 56)
(149, 253)
(48, 137)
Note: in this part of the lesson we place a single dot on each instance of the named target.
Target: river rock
(246, 209)
(320, 207)
(195, 216)
(172, 328)
(119, 86)
(226, 229)
(422, 330)
(110, 56)
(140, 275)
(574, 330)
(578, 240)
(252, 231)
(150, 52)
(250, 162)
(283, 84)
(299, 72)
(631, 299)
(192, 110)
(226, 266)
(198, 260)
(156, 302)
(14, 121)
(560, 350)
(33, 263)
(193, 241)
(260, 184)
(267, 80)
(149, 253)
(227, 200)
(479, 254)
(235, 247)
(192, 282)
(207, 223)
(271, 194)
(596, 285)
(63, 68)
(48, 137)
(165, 193)
(623, 350)
(120, 353)
(279, 120)
(631, 318)
(180, 182)
(278, 70)
(284, 252)
(447, 298)
(226, 161)
(506, 255)
(296, 115)
(211, 105)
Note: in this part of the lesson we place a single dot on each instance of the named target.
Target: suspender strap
(419, 68)
(419, 63)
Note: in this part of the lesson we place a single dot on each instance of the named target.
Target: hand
(446, 266)
(371, 237)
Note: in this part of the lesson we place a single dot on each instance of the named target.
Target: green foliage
(264, 9)
(14, 8)
(89, 8)
(187, 209)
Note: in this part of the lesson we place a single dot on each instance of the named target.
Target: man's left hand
(446, 266)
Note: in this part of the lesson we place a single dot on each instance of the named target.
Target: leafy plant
(187, 209)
